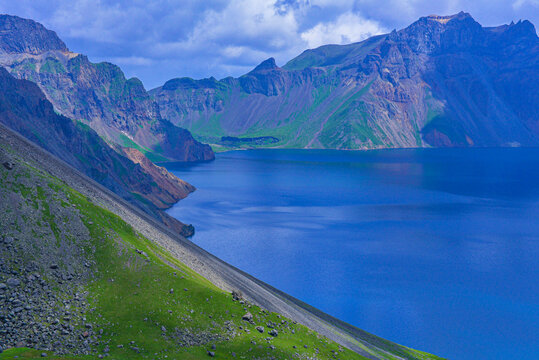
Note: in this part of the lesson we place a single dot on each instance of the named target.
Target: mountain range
(442, 81)
(118, 109)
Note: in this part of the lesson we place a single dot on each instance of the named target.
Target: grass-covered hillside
(77, 279)
(78, 282)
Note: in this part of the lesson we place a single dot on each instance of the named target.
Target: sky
(157, 40)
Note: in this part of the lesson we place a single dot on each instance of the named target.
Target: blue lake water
(436, 249)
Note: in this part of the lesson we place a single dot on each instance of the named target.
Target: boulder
(13, 282)
(247, 317)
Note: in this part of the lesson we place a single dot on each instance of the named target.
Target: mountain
(25, 109)
(442, 81)
(99, 95)
(85, 275)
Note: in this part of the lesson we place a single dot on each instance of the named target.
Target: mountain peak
(445, 19)
(444, 22)
(434, 32)
(525, 27)
(268, 64)
(20, 35)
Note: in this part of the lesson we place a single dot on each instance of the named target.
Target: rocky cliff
(99, 95)
(24, 108)
(442, 81)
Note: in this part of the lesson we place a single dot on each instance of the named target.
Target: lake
(435, 249)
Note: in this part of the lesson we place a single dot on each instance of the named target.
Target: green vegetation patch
(154, 157)
(52, 66)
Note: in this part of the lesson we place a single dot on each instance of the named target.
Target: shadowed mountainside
(442, 81)
(24, 108)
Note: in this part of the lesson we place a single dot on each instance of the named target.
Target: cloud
(161, 39)
(519, 4)
(130, 60)
(347, 28)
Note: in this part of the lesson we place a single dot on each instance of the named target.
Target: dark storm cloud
(159, 40)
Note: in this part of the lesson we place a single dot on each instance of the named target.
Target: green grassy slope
(140, 302)
(149, 305)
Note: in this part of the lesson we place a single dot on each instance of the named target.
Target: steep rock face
(99, 95)
(175, 188)
(442, 81)
(24, 108)
(19, 35)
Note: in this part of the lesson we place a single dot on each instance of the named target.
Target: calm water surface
(436, 249)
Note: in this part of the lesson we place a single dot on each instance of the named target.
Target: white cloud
(245, 23)
(517, 5)
(348, 27)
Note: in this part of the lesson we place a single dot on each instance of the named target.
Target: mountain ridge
(441, 81)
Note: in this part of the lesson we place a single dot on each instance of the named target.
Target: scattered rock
(260, 329)
(54, 266)
(13, 282)
(8, 165)
(211, 353)
(247, 317)
(273, 332)
(141, 253)
(43, 354)
(237, 295)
